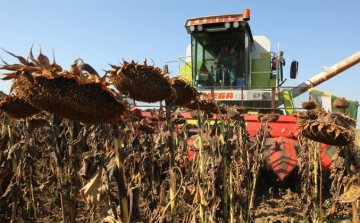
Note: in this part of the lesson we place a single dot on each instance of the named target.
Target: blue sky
(317, 33)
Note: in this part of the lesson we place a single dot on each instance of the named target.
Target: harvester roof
(217, 23)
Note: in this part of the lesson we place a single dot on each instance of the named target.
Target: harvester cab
(228, 63)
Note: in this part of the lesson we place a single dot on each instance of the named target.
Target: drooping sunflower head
(308, 105)
(184, 91)
(17, 108)
(206, 104)
(268, 117)
(35, 122)
(326, 132)
(141, 82)
(341, 103)
(73, 94)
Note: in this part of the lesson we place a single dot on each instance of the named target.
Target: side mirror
(294, 69)
(166, 68)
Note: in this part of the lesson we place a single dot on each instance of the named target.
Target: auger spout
(328, 73)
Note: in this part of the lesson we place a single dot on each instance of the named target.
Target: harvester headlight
(200, 28)
(192, 28)
(227, 25)
(266, 95)
(236, 24)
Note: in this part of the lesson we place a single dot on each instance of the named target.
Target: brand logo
(222, 95)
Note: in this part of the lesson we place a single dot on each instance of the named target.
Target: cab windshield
(220, 58)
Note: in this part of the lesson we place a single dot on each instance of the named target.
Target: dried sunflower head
(37, 122)
(308, 105)
(341, 103)
(301, 117)
(16, 107)
(268, 117)
(177, 118)
(73, 95)
(207, 105)
(325, 132)
(208, 114)
(339, 119)
(156, 118)
(184, 91)
(144, 126)
(193, 114)
(232, 114)
(141, 82)
(235, 111)
(239, 110)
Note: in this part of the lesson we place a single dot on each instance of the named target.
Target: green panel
(263, 78)
(260, 65)
(272, 82)
(260, 77)
(260, 83)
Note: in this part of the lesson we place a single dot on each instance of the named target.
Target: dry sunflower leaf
(94, 191)
(21, 59)
(351, 190)
(43, 61)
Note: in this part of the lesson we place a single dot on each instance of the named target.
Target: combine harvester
(248, 74)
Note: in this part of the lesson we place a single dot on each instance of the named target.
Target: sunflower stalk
(71, 147)
(224, 162)
(355, 212)
(55, 122)
(31, 142)
(9, 127)
(73, 194)
(119, 159)
(316, 170)
(32, 192)
(202, 157)
(11, 136)
(76, 183)
(320, 176)
(242, 149)
(174, 217)
(152, 174)
(232, 210)
(60, 177)
(262, 140)
(19, 177)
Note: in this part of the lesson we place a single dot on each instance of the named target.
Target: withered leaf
(337, 132)
(21, 59)
(44, 61)
(321, 126)
(93, 192)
